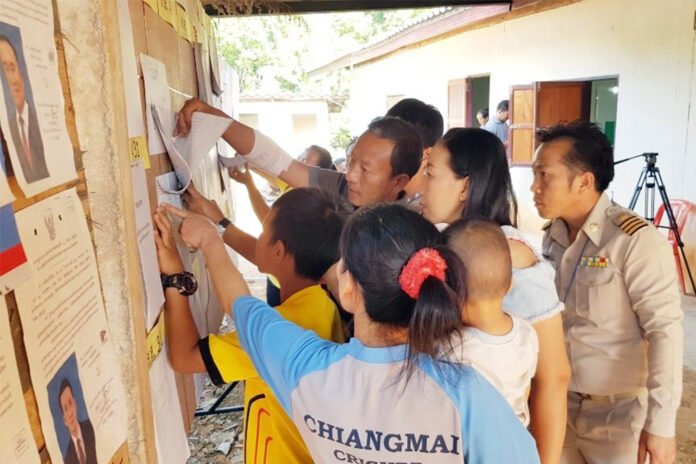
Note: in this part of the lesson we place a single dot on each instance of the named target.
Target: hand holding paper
(185, 152)
(198, 204)
(185, 116)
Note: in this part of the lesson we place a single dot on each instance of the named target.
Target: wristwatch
(222, 226)
(185, 282)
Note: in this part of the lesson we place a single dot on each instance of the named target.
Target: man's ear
(400, 181)
(426, 154)
(586, 181)
(278, 251)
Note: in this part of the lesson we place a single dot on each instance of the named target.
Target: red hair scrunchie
(424, 263)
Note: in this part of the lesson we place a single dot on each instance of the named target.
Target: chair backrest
(681, 209)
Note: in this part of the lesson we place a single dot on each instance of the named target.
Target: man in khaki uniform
(622, 322)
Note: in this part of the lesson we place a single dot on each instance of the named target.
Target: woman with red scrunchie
(388, 395)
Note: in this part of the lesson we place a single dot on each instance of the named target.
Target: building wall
(648, 44)
(290, 124)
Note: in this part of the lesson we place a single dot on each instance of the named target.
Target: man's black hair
(425, 118)
(64, 384)
(309, 225)
(483, 112)
(407, 153)
(325, 160)
(503, 105)
(591, 151)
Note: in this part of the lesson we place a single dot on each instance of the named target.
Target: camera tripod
(649, 178)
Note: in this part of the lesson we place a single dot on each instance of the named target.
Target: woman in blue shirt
(386, 396)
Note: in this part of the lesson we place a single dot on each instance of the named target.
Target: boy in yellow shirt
(298, 244)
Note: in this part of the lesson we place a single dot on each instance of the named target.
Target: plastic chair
(681, 209)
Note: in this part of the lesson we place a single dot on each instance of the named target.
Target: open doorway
(544, 104)
(465, 98)
(480, 93)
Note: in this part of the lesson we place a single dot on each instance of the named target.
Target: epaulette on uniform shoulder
(626, 220)
(547, 225)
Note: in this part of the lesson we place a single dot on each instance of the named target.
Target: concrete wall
(648, 44)
(275, 119)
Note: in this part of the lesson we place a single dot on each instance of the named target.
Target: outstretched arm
(198, 232)
(548, 398)
(235, 238)
(258, 204)
(182, 335)
(259, 149)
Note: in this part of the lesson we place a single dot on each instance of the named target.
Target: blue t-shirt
(351, 403)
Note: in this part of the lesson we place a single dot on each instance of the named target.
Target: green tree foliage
(273, 54)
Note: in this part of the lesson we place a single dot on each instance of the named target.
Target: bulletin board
(168, 31)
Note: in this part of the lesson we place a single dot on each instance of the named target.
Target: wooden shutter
(457, 92)
(562, 102)
(522, 113)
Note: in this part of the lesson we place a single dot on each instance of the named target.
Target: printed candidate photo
(74, 430)
(23, 131)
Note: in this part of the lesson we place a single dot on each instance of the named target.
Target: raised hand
(167, 254)
(183, 119)
(198, 204)
(243, 177)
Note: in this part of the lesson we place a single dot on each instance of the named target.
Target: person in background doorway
(482, 116)
(497, 125)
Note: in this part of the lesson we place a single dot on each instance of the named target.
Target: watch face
(187, 284)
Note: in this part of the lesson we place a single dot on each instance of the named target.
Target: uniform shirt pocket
(595, 294)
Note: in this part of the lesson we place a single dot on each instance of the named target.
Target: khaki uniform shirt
(623, 313)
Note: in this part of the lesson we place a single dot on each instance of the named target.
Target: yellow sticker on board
(184, 23)
(152, 4)
(167, 11)
(138, 150)
(155, 339)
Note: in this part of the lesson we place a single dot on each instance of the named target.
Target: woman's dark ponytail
(407, 279)
(437, 312)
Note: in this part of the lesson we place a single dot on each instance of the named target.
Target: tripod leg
(673, 224)
(638, 188)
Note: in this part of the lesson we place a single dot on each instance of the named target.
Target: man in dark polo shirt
(382, 161)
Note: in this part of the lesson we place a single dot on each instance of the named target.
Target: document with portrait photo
(31, 105)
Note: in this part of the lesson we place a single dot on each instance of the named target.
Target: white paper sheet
(186, 153)
(156, 93)
(171, 441)
(134, 114)
(65, 330)
(39, 147)
(154, 296)
(205, 91)
(237, 161)
(16, 441)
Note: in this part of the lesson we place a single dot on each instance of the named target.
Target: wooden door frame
(534, 86)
